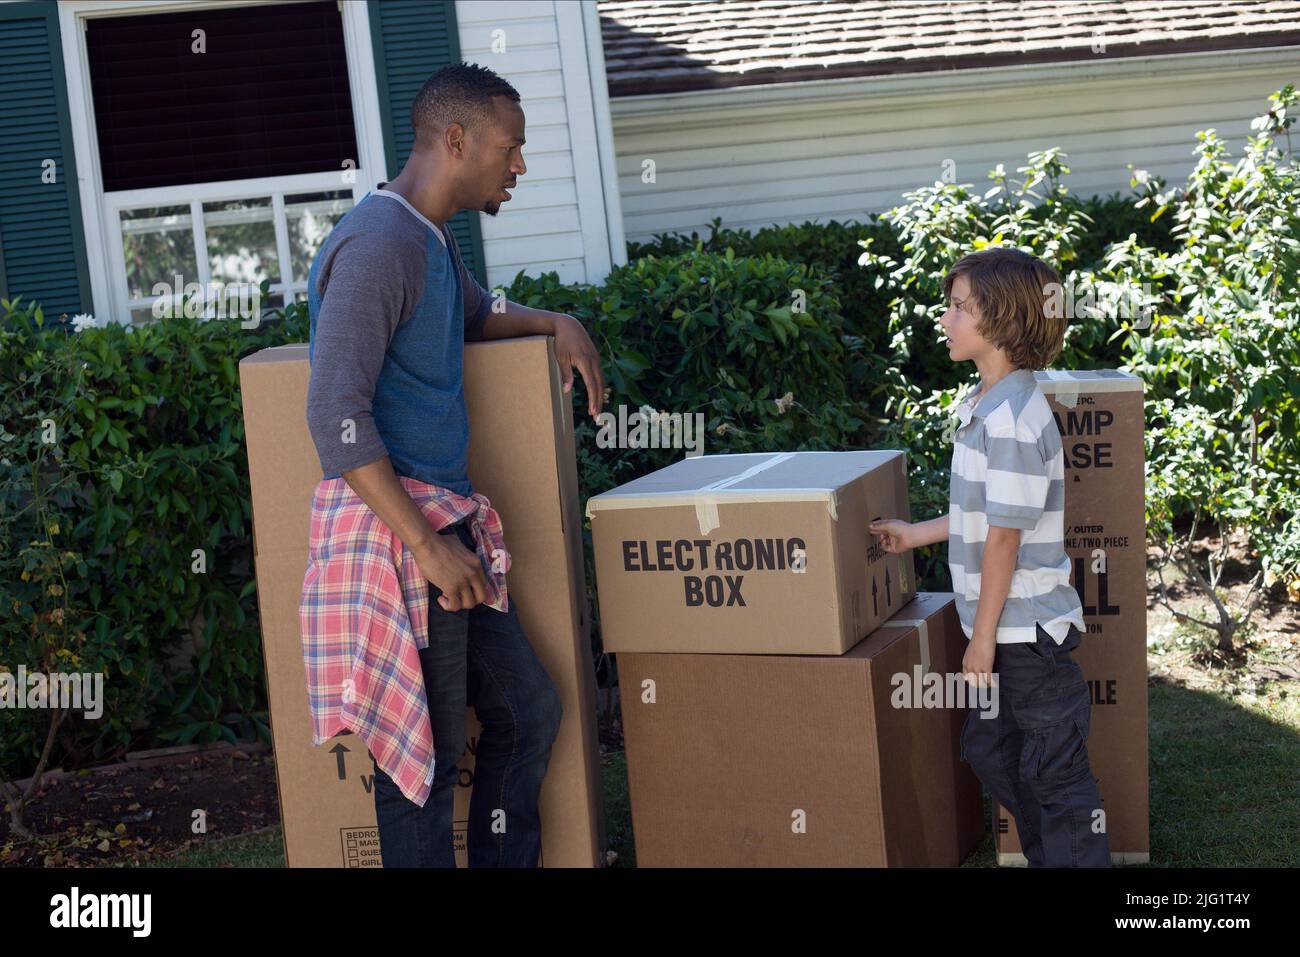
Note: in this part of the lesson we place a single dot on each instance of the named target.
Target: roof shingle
(658, 46)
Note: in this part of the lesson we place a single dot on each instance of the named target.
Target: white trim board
(812, 97)
(580, 114)
(605, 151)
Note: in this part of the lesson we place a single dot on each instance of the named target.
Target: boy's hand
(895, 535)
(977, 663)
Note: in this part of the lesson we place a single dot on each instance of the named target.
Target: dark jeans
(1033, 756)
(481, 657)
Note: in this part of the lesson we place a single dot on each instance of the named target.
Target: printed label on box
(361, 847)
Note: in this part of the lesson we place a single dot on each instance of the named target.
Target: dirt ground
(108, 816)
(1266, 650)
(115, 816)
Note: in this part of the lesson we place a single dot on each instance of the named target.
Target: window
(227, 147)
(243, 241)
(214, 94)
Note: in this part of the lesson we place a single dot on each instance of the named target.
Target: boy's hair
(457, 93)
(1012, 289)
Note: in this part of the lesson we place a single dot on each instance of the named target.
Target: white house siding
(839, 149)
(564, 215)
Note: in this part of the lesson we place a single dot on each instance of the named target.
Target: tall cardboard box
(801, 760)
(521, 457)
(1100, 417)
(764, 553)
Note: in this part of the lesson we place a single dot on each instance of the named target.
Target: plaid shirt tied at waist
(364, 615)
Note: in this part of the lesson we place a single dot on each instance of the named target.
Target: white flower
(82, 321)
(784, 403)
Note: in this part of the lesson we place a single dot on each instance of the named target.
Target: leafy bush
(1222, 359)
(726, 336)
(832, 248)
(124, 530)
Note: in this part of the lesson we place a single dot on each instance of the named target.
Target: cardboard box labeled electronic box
(764, 553)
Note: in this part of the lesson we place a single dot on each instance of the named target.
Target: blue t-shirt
(391, 306)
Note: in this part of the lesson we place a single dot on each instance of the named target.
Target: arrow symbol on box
(889, 595)
(875, 605)
(338, 751)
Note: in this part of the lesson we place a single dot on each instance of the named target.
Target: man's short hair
(1012, 289)
(458, 93)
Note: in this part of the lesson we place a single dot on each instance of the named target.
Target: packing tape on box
(706, 513)
(749, 472)
(922, 629)
(709, 514)
(1065, 387)
(706, 505)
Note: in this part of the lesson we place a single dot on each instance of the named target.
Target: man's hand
(456, 571)
(575, 350)
(573, 347)
(977, 663)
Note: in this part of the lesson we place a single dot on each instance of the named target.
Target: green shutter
(411, 41)
(43, 248)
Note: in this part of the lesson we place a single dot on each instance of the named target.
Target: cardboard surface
(522, 458)
(800, 760)
(751, 554)
(1100, 417)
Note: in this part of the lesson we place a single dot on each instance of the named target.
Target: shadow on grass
(1224, 775)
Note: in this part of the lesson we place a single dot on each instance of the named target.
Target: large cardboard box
(765, 553)
(801, 760)
(1100, 417)
(522, 458)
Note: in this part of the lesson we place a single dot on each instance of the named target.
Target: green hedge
(125, 543)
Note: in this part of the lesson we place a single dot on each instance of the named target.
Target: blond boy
(1006, 551)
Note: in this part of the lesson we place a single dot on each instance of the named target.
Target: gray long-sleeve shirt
(391, 306)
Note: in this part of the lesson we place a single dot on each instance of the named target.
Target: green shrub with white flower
(1221, 360)
(124, 533)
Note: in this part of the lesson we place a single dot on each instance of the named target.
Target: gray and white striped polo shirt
(1008, 470)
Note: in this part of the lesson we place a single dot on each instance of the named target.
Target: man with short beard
(391, 305)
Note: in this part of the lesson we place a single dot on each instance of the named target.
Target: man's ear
(454, 138)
